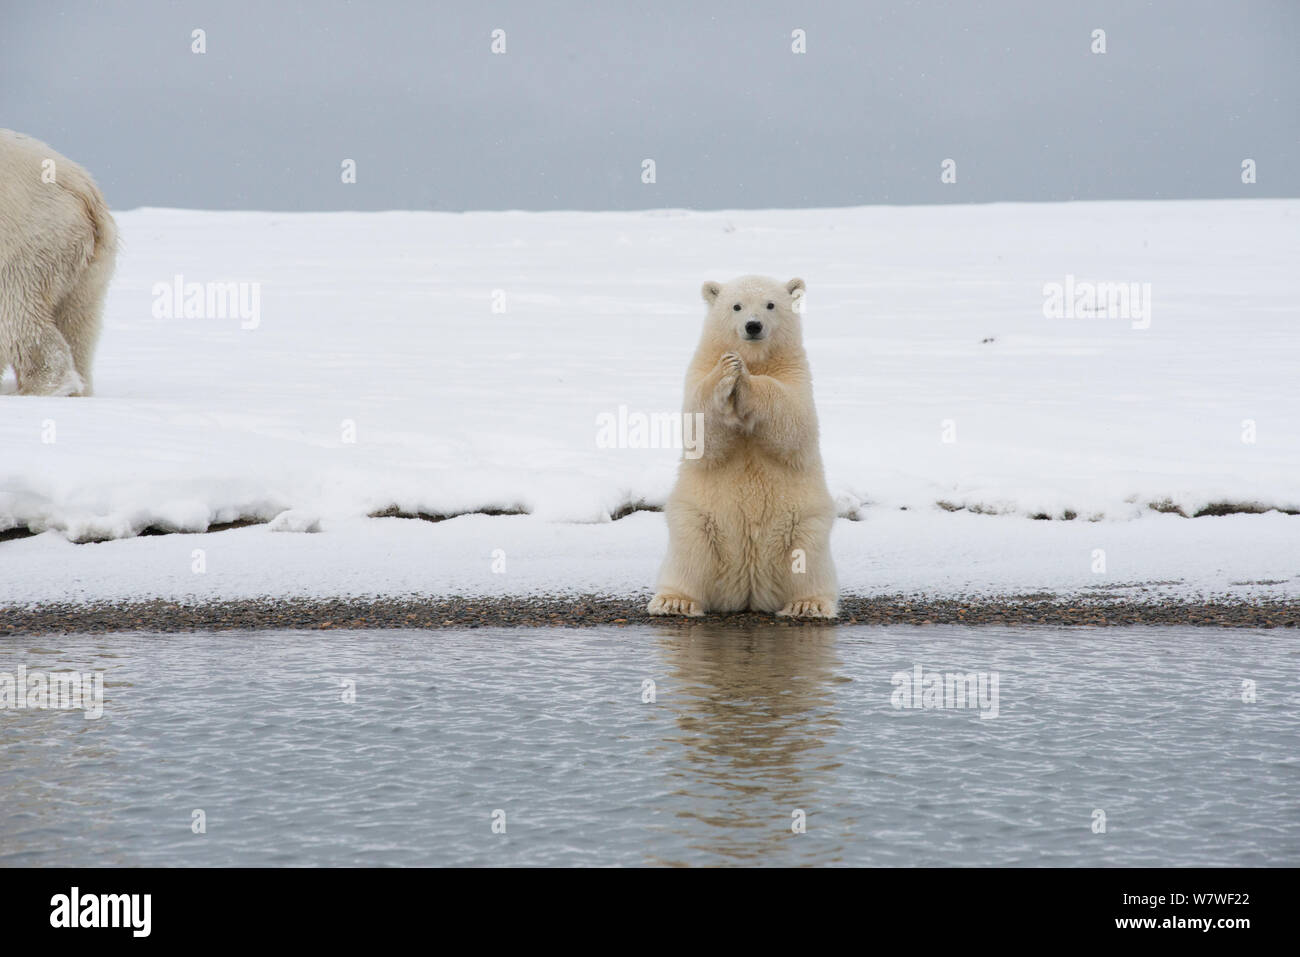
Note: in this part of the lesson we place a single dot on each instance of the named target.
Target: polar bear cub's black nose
(753, 327)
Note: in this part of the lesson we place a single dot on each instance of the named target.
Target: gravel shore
(590, 611)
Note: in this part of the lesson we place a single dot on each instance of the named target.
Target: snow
(375, 374)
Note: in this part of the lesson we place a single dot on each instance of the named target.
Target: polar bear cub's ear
(710, 291)
(794, 287)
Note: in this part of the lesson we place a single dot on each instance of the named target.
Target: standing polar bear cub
(58, 244)
(749, 520)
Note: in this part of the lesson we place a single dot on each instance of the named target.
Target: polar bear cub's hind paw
(810, 608)
(674, 605)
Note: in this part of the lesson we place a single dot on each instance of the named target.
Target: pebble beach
(589, 611)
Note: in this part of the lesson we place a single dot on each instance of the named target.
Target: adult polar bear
(749, 520)
(58, 244)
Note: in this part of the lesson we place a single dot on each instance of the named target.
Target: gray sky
(710, 90)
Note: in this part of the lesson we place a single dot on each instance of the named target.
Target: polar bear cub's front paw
(734, 373)
(666, 604)
(810, 608)
(732, 369)
(733, 365)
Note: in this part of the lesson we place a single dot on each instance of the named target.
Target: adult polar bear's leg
(79, 316)
(37, 350)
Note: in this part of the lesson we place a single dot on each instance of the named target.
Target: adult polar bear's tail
(77, 181)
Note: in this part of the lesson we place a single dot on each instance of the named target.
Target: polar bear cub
(58, 244)
(749, 520)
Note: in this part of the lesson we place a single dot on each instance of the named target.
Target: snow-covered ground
(446, 363)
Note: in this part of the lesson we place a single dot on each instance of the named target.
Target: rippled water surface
(741, 735)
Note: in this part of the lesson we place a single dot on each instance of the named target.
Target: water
(745, 730)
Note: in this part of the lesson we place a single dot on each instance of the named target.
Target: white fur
(739, 512)
(58, 244)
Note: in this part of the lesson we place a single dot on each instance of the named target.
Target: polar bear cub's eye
(736, 307)
(771, 305)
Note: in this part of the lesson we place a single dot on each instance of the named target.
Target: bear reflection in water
(755, 715)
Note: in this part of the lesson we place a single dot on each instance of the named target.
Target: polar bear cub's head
(754, 316)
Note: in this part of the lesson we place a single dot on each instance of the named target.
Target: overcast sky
(712, 92)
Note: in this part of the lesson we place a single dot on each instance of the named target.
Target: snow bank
(443, 364)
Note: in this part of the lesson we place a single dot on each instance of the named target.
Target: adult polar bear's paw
(54, 376)
(674, 605)
(72, 384)
(810, 608)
